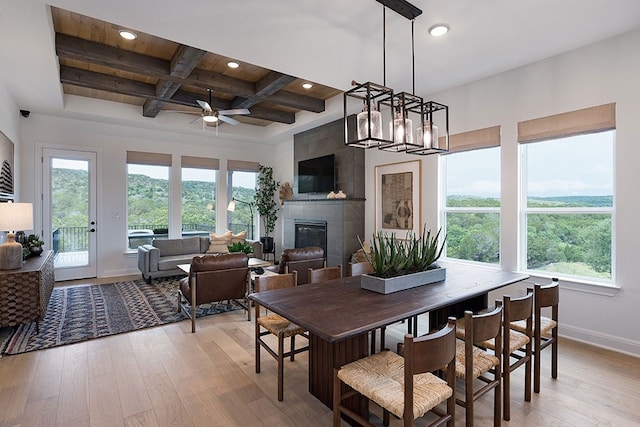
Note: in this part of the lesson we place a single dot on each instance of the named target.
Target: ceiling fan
(209, 115)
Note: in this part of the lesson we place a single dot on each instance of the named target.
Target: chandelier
(414, 126)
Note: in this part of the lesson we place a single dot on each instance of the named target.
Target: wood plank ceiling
(159, 74)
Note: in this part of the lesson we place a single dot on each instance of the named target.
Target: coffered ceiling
(158, 74)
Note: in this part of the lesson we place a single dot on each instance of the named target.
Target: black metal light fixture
(232, 207)
(403, 109)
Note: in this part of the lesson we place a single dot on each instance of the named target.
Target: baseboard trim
(606, 341)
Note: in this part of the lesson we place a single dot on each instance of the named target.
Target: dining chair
(360, 268)
(545, 329)
(403, 386)
(515, 345)
(277, 325)
(323, 274)
(475, 362)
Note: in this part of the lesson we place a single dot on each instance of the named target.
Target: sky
(575, 166)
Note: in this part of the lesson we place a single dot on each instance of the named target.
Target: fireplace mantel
(345, 222)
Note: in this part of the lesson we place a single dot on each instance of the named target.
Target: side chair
(545, 329)
(403, 386)
(475, 362)
(323, 274)
(276, 325)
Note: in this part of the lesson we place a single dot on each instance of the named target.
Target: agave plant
(391, 256)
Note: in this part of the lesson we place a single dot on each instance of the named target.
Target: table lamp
(13, 217)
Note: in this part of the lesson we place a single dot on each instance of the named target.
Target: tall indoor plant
(266, 205)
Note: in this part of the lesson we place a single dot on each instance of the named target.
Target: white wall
(601, 73)
(112, 142)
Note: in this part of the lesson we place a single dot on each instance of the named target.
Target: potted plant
(266, 205)
(35, 243)
(402, 264)
(240, 247)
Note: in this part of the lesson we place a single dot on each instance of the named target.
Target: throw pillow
(240, 237)
(219, 242)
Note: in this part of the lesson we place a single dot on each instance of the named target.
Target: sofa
(162, 257)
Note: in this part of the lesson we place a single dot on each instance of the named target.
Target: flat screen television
(317, 175)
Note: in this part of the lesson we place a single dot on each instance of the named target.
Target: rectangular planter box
(401, 283)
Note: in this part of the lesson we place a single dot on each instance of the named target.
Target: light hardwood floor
(167, 376)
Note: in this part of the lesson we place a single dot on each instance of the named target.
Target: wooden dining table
(339, 314)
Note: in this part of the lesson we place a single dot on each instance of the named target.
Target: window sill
(577, 285)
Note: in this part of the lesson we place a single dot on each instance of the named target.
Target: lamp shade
(16, 216)
(231, 206)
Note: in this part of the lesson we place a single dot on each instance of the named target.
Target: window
(241, 187)
(568, 205)
(198, 195)
(472, 205)
(147, 197)
(471, 190)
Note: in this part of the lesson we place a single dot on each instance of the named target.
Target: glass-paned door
(69, 211)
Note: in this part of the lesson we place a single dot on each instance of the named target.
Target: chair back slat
(484, 326)
(518, 308)
(360, 268)
(433, 351)
(324, 274)
(276, 281)
(547, 295)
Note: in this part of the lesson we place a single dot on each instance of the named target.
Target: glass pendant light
(401, 128)
(427, 135)
(369, 123)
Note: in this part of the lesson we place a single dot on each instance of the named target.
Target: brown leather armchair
(215, 278)
(300, 260)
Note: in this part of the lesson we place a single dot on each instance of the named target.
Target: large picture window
(147, 197)
(241, 186)
(198, 195)
(472, 205)
(568, 205)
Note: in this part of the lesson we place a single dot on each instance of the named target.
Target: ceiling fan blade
(205, 105)
(228, 120)
(234, 112)
(195, 120)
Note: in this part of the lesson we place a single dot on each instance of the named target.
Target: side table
(25, 292)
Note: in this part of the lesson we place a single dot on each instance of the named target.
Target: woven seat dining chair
(323, 274)
(360, 268)
(475, 362)
(403, 386)
(274, 324)
(545, 329)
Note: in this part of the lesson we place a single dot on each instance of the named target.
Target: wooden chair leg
(468, 404)
(536, 367)
(257, 346)
(554, 354)
(373, 342)
(293, 347)
(383, 332)
(337, 391)
(506, 393)
(527, 378)
(497, 400)
(280, 367)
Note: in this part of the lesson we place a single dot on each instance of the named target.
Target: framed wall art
(397, 198)
(7, 189)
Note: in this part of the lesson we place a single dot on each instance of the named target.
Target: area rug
(82, 313)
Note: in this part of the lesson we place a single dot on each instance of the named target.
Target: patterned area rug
(82, 313)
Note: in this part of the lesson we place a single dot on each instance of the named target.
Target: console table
(25, 292)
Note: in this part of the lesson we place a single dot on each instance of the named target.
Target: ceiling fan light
(232, 64)
(439, 30)
(210, 119)
(127, 34)
(307, 85)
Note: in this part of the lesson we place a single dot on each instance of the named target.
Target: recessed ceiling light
(439, 30)
(307, 85)
(232, 64)
(127, 34)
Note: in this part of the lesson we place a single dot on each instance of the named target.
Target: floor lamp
(232, 207)
(14, 217)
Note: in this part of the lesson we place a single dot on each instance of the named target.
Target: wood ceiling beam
(185, 59)
(267, 85)
(108, 83)
(87, 51)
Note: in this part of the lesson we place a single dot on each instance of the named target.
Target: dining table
(339, 314)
